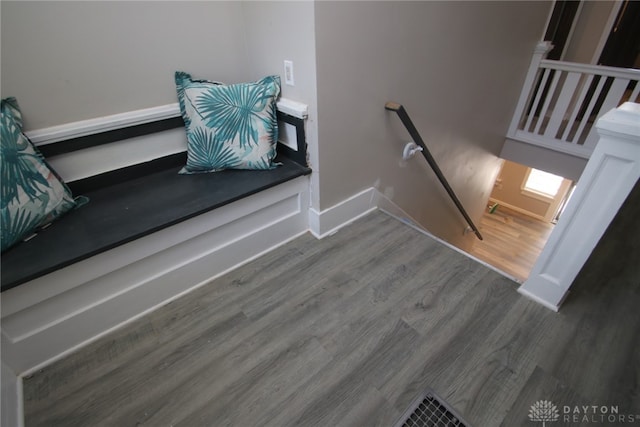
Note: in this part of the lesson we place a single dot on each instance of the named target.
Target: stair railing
(560, 102)
(404, 117)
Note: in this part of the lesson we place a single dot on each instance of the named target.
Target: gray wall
(457, 67)
(275, 31)
(69, 61)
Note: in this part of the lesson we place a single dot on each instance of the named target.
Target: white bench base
(49, 317)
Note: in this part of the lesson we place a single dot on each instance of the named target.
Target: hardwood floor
(347, 331)
(512, 241)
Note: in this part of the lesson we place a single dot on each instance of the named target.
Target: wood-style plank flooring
(512, 241)
(347, 331)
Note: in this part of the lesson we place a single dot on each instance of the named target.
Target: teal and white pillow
(32, 193)
(229, 126)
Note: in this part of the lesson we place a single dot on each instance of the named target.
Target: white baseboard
(519, 210)
(329, 221)
(540, 300)
(47, 318)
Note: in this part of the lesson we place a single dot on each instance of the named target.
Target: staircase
(552, 127)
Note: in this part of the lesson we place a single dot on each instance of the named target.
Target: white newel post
(539, 53)
(607, 180)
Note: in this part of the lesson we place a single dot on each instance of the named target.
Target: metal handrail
(404, 117)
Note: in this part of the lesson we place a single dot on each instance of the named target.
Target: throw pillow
(228, 126)
(32, 194)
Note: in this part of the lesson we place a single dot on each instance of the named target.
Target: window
(542, 183)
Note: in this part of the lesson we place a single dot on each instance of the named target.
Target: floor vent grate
(430, 411)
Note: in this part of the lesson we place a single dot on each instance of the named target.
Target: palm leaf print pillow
(32, 193)
(228, 126)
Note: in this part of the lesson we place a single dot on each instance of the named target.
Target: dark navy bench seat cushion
(120, 213)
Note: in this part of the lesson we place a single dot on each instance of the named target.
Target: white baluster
(539, 53)
(586, 84)
(614, 95)
(560, 109)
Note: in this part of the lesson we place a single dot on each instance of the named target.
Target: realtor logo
(545, 411)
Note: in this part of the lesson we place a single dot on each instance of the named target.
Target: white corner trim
(82, 128)
(329, 221)
(293, 108)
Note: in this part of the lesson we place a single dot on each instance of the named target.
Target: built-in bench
(135, 201)
(146, 235)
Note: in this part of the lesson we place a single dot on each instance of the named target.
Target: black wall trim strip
(75, 144)
(81, 143)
